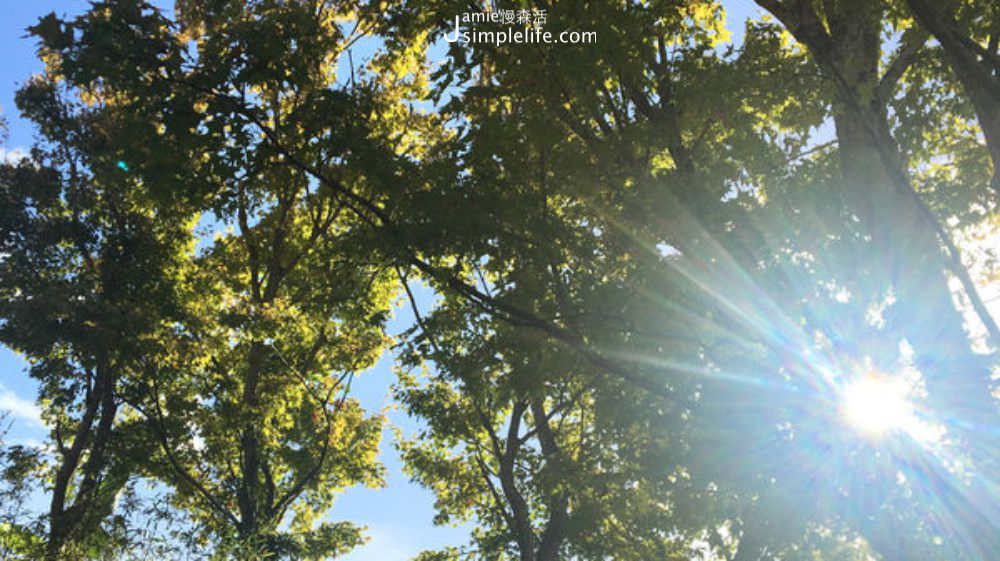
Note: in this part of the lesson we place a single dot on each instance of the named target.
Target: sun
(876, 406)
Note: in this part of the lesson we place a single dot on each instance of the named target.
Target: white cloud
(12, 155)
(19, 408)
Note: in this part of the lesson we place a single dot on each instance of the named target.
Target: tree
(548, 463)
(241, 394)
(656, 277)
(600, 101)
(844, 39)
(89, 275)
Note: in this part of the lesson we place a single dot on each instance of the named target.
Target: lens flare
(877, 406)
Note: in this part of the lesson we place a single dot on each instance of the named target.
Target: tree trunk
(523, 530)
(89, 442)
(248, 497)
(557, 527)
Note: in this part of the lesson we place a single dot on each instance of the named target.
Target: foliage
(659, 259)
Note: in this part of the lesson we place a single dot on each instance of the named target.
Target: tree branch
(913, 40)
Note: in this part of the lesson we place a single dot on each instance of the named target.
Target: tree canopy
(694, 298)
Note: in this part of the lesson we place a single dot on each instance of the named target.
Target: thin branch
(497, 499)
(175, 465)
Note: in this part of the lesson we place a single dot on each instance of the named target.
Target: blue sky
(399, 516)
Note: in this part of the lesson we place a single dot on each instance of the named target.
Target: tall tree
(627, 197)
(89, 276)
(657, 279)
(748, 273)
(244, 397)
(910, 253)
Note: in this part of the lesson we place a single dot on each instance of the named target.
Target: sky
(398, 517)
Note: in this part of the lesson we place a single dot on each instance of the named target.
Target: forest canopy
(690, 297)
